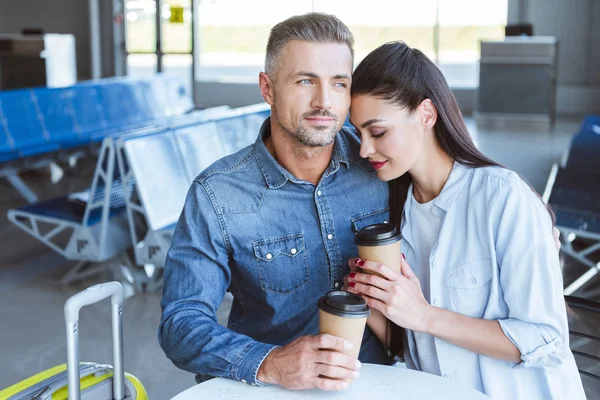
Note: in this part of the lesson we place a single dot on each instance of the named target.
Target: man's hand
(309, 362)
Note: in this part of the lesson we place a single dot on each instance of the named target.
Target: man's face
(311, 91)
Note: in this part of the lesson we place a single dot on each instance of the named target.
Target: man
(274, 224)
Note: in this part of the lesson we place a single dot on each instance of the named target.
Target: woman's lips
(378, 164)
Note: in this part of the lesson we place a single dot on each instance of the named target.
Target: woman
(483, 303)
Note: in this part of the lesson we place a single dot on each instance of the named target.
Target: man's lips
(320, 120)
(378, 164)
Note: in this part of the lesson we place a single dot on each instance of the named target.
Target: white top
(375, 382)
(425, 227)
(495, 259)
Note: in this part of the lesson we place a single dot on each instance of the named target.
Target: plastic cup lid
(377, 235)
(344, 304)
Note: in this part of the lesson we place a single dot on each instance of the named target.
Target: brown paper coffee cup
(344, 315)
(380, 243)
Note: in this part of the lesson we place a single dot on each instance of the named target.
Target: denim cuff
(247, 369)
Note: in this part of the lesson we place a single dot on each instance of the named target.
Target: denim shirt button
(293, 251)
(243, 380)
(337, 284)
(319, 193)
(269, 256)
(330, 236)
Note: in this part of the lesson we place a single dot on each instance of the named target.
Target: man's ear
(428, 113)
(266, 87)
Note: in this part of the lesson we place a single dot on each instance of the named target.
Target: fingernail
(347, 345)
(403, 256)
(361, 263)
(357, 261)
(358, 364)
(352, 275)
(351, 284)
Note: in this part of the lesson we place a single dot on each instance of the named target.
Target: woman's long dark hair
(406, 77)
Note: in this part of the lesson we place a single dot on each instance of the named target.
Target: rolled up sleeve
(539, 345)
(531, 279)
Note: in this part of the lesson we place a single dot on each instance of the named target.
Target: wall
(52, 16)
(63, 16)
(576, 24)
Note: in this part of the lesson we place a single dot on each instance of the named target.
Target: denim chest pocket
(282, 263)
(371, 217)
(469, 287)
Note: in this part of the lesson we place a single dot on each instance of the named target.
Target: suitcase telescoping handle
(92, 295)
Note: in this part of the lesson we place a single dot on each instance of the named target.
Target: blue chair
(573, 193)
(22, 123)
(89, 113)
(584, 151)
(154, 91)
(58, 114)
(7, 151)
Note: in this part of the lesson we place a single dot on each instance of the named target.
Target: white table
(376, 382)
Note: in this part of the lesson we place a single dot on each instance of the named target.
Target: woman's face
(392, 137)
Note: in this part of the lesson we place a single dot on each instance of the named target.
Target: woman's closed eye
(377, 134)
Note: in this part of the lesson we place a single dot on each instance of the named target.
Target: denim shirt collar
(276, 175)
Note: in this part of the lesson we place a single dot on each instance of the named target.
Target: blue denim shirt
(277, 243)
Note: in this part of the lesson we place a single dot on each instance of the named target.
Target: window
(232, 34)
(462, 24)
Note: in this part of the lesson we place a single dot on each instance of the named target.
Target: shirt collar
(454, 185)
(275, 175)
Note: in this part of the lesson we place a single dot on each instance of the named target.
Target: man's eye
(341, 84)
(305, 81)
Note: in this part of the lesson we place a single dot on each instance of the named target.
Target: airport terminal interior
(110, 108)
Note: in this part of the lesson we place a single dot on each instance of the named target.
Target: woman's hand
(398, 296)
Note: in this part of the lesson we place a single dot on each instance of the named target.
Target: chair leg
(22, 188)
(82, 270)
(142, 279)
(583, 257)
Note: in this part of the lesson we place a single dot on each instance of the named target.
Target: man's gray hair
(311, 27)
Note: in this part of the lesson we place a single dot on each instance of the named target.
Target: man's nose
(322, 99)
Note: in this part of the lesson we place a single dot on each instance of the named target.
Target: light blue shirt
(495, 259)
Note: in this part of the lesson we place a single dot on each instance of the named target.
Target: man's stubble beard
(320, 136)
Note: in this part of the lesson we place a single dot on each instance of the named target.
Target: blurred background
(109, 108)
